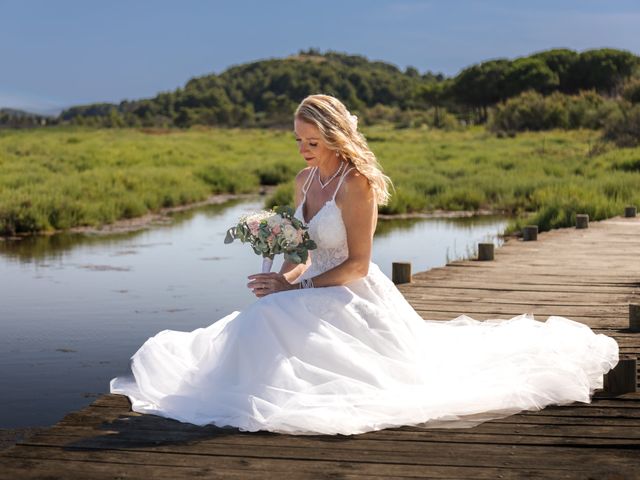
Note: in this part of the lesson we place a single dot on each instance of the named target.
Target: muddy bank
(161, 217)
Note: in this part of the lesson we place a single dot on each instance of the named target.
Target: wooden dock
(589, 275)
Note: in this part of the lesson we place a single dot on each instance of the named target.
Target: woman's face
(311, 146)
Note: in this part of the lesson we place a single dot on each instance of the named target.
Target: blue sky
(56, 53)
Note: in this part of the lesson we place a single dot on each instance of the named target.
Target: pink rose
(254, 227)
(276, 229)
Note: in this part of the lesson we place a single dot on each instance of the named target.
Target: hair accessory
(353, 120)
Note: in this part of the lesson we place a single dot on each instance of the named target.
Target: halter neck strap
(346, 172)
(307, 182)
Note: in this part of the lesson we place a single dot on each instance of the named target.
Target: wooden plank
(99, 415)
(600, 312)
(90, 419)
(346, 449)
(128, 463)
(491, 286)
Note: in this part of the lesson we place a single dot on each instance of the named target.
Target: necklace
(324, 184)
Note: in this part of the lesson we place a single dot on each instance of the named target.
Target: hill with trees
(265, 93)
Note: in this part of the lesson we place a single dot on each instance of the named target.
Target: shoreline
(440, 214)
(163, 216)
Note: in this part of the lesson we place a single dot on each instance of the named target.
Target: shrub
(533, 111)
(276, 173)
(631, 91)
(283, 195)
(530, 111)
(224, 179)
(623, 127)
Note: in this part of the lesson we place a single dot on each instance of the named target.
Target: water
(74, 308)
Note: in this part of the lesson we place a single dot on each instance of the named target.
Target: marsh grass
(59, 178)
(62, 177)
(540, 178)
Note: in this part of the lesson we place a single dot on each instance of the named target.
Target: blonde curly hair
(339, 129)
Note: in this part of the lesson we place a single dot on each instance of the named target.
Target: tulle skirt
(357, 358)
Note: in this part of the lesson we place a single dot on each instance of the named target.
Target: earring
(337, 154)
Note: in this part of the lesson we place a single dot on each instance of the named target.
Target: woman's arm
(359, 214)
(292, 271)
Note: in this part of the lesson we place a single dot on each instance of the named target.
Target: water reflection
(434, 242)
(74, 308)
(42, 247)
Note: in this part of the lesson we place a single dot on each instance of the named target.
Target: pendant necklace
(324, 184)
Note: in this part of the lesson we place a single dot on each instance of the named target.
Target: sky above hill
(59, 53)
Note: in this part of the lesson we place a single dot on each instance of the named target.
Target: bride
(332, 347)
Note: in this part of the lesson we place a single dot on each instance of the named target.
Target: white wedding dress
(356, 358)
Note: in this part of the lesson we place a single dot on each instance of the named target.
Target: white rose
(290, 233)
(274, 220)
(256, 216)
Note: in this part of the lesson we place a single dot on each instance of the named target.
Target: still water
(74, 308)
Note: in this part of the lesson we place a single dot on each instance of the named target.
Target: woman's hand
(262, 284)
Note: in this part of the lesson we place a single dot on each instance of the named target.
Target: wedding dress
(357, 358)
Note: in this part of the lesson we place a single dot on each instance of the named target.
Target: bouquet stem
(266, 264)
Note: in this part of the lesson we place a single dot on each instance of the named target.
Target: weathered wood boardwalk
(588, 275)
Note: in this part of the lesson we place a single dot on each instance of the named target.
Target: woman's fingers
(257, 276)
(262, 287)
(265, 283)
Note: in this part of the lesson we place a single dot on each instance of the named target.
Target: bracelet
(306, 283)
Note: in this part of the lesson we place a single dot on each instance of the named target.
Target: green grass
(63, 177)
(541, 178)
(59, 178)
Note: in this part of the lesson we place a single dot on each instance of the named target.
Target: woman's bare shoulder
(356, 183)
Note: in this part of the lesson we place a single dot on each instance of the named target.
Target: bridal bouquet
(271, 232)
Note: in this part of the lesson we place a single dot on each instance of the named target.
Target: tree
(434, 95)
(560, 61)
(529, 74)
(481, 85)
(604, 70)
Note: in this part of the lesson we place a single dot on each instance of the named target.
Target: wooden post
(634, 317)
(630, 211)
(530, 233)
(485, 251)
(622, 378)
(582, 220)
(401, 272)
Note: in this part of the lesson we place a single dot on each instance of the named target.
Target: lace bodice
(327, 229)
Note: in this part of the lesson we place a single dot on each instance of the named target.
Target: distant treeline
(265, 93)
(10, 117)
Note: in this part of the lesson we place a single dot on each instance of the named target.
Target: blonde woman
(332, 346)
(337, 195)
